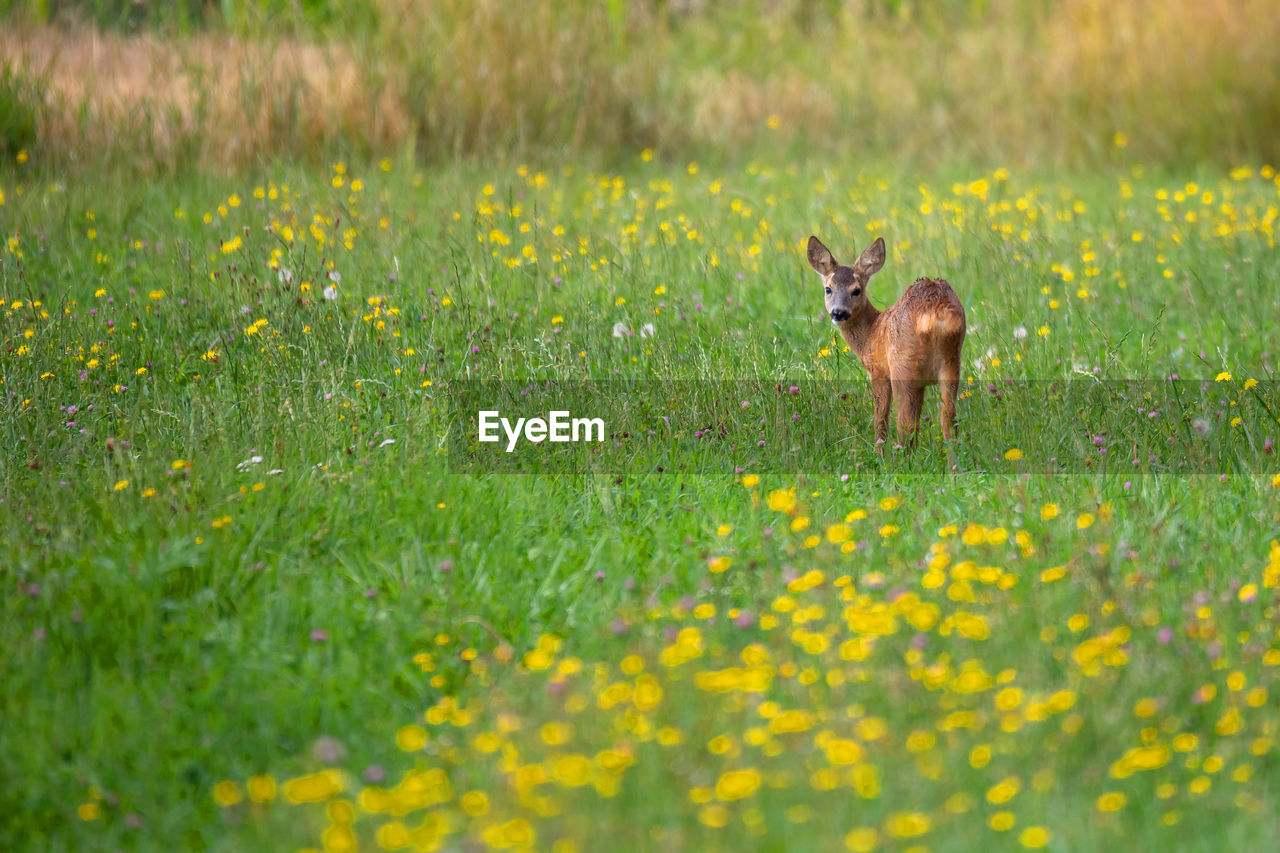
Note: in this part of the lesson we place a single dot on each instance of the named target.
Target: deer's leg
(910, 400)
(949, 385)
(882, 393)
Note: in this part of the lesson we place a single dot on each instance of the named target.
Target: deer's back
(923, 329)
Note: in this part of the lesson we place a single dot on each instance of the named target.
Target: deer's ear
(870, 261)
(820, 257)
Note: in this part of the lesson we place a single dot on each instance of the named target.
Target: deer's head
(845, 286)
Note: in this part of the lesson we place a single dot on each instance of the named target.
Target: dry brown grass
(210, 98)
(1183, 79)
(1176, 75)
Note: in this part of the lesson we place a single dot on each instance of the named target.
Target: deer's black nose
(839, 315)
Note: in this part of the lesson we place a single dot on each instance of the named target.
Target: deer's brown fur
(913, 343)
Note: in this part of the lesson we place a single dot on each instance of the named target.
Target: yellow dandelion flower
(907, 824)
(314, 787)
(781, 500)
(227, 793)
(474, 803)
(1111, 801)
(1034, 837)
(861, 840)
(737, 784)
(572, 770)
(411, 738)
(1004, 791)
(261, 788)
(713, 815)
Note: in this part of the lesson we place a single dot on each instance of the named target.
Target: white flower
(285, 275)
(330, 293)
(1020, 332)
(646, 331)
(620, 330)
(248, 463)
(335, 276)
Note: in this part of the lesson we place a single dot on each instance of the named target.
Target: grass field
(263, 591)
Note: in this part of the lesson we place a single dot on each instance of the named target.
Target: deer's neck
(857, 331)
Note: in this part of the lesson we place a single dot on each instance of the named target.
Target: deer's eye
(857, 291)
(828, 291)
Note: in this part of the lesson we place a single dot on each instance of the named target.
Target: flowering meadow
(252, 601)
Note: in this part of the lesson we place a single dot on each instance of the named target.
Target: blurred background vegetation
(224, 84)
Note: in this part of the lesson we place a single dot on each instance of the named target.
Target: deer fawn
(914, 342)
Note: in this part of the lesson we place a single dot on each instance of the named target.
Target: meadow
(265, 263)
(251, 603)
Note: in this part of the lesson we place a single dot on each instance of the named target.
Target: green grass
(180, 619)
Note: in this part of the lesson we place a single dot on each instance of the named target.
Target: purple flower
(327, 750)
(319, 635)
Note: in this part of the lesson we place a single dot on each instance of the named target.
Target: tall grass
(1051, 82)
